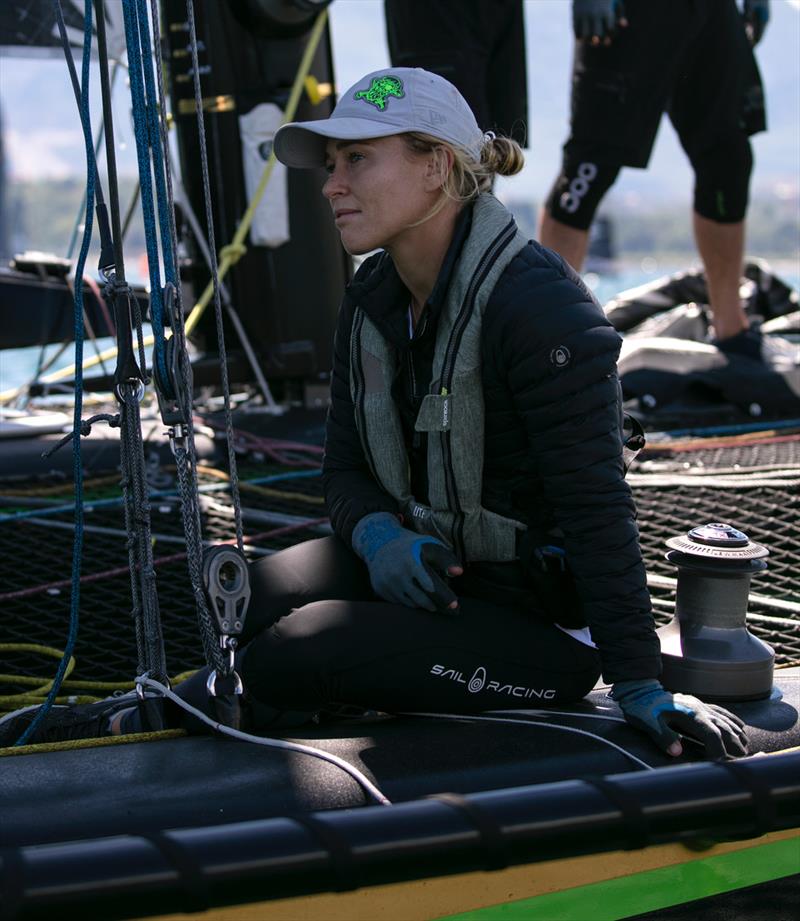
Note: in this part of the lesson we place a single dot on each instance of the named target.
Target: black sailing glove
(406, 567)
(647, 706)
(756, 16)
(597, 20)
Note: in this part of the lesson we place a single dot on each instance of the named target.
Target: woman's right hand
(646, 705)
(406, 567)
(597, 21)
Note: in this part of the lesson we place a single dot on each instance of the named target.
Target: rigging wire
(136, 69)
(77, 465)
(194, 224)
(97, 145)
(232, 252)
(212, 250)
(130, 378)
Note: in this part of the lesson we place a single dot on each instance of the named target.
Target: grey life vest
(452, 413)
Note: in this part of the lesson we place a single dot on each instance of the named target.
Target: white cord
(360, 778)
(370, 788)
(498, 719)
(583, 716)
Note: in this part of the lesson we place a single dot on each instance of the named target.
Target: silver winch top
(717, 541)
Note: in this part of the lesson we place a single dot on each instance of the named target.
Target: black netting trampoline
(753, 484)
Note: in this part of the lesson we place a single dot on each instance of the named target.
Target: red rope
(161, 561)
(286, 453)
(101, 302)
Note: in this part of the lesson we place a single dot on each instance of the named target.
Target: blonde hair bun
(502, 155)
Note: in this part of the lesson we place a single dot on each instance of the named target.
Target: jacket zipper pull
(445, 409)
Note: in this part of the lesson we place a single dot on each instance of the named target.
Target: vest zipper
(416, 438)
(357, 370)
(448, 369)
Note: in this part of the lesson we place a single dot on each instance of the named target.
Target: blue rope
(77, 466)
(154, 132)
(731, 429)
(141, 132)
(160, 494)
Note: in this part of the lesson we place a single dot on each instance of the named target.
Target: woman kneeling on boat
(485, 553)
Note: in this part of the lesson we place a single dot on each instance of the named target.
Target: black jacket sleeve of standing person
(551, 340)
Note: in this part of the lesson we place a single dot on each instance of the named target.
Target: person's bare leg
(721, 247)
(570, 243)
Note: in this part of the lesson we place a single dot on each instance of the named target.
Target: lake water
(17, 366)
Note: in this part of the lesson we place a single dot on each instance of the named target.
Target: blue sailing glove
(597, 19)
(406, 567)
(756, 16)
(647, 706)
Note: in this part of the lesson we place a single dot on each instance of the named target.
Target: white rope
(580, 732)
(583, 716)
(367, 785)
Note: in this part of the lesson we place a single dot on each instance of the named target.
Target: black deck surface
(201, 781)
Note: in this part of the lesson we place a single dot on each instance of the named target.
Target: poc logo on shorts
(570, 200)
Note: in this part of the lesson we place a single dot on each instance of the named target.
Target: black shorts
(478, 45)
(690, 58)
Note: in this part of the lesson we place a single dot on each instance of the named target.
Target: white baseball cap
(386, 102)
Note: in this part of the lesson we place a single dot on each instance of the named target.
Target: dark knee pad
(288, 665)
(722, 179)
(578, 190)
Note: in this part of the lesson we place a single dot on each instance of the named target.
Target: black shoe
(747, 343)
(779, 354)
(62, 724)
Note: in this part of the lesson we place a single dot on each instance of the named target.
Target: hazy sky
(45, 141)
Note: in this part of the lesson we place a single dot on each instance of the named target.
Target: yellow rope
(236, 248)
(40, 687)
(65, 488)
(233, 251)
(11, 702)
(40, 747)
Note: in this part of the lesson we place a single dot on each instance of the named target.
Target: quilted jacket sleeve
(559, 354)
(351, 492)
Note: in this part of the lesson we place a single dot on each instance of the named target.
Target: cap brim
(302, 144)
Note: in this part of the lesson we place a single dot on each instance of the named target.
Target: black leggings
(318, 635)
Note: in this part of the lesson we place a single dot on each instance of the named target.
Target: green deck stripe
(653, 889)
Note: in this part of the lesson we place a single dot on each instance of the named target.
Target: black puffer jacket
(552, 442)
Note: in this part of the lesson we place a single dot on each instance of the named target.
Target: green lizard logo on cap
(380, 90)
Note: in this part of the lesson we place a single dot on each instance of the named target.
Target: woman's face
(377, 189)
